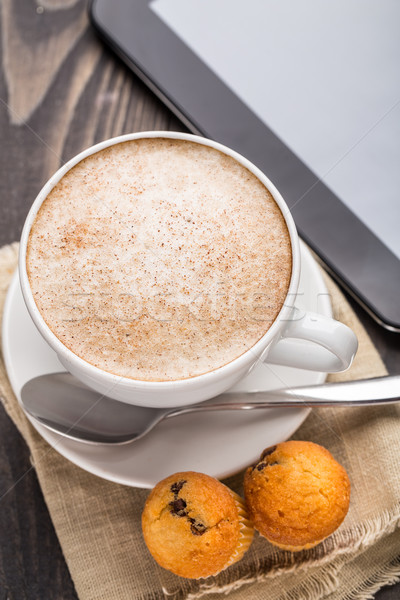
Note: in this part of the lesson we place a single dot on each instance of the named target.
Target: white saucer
(219, 445)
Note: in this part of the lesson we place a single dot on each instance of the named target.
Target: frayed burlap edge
(8, 264)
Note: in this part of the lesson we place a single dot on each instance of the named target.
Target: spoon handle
(380, 390)
(366, 392)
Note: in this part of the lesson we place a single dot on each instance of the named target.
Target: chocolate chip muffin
(194, 525)
(297, 494)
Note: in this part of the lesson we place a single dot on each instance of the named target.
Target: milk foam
(159, 259)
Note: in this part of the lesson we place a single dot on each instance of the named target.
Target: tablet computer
(309, 92)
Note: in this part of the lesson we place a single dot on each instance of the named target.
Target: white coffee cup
(332, 348)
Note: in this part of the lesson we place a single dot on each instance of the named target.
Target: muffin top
(297, 494)
(191, 524)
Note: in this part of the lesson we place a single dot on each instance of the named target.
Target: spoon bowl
(68, 407)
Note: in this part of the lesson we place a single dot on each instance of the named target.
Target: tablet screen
(324, 76)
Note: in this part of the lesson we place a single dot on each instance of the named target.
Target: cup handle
(333, 346)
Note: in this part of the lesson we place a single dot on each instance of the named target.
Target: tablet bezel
(350, 251)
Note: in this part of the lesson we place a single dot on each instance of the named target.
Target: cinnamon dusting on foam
(159, 259)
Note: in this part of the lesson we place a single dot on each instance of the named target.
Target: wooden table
(61, 91)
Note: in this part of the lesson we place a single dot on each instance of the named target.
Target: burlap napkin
(98, 522)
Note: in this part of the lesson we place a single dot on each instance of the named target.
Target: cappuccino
(159, 259)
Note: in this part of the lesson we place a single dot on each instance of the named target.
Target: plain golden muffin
(194, 525)
(297, 494)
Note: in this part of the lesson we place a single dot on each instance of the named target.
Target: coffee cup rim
(113, 379)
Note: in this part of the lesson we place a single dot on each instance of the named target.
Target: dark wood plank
(31, 562)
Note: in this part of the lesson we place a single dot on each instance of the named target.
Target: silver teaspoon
(66, 406)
